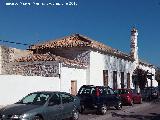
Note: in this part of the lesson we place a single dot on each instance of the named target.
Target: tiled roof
(78, 40)
(50, 57)
(142, 62)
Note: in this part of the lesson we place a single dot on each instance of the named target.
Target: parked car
(43, 106)
(149, 93)
(129, 96)
(99, 98)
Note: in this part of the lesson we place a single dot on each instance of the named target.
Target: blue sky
(107, 21)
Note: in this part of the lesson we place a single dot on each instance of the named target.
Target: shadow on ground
(94, 112)
(152, 116)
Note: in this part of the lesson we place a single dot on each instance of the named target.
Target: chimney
(134, 47)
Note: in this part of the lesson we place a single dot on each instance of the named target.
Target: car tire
(140, 102)
(82, 109)
(75, 115)
(119, 106)
(38, 118)
(103, 109)
(131, 104)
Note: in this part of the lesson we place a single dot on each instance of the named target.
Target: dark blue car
(99, 98)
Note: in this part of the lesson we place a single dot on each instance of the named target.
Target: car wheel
(140, 102)
(82, 109)
(119, 106)
(131, 104)
(103, 109)
(75, 115)
(38, 118)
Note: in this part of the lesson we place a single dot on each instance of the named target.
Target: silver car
(43, 105)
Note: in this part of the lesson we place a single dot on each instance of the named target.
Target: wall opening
(122, 80)
(73, 87)
(128, 80)
(114, 79)
(105, 78)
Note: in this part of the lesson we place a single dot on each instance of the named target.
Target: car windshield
(38, 98)
(134, 90)
(121, 91)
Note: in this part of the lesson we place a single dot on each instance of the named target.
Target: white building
(99, 64)
(76, 60)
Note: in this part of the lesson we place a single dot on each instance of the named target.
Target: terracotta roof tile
(78, 40)
(50, 57)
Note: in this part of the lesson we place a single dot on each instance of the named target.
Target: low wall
(14, 87)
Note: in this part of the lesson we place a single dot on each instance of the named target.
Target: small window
(66, 98)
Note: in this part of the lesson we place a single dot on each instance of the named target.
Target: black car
(149, 93)
(43, 106)
(99, 98)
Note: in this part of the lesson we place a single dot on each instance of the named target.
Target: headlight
(15, 116)
(20, 116)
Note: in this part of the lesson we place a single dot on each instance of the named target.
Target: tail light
(97, 92)
(128, 97)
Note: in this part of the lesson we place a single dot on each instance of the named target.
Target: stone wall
(7, 55)
(43, 68)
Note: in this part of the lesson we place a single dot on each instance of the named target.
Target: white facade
(72, 74)
(100, 62)
(14, 87)
(150, 70)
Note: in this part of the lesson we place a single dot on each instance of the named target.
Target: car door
(87, 96)
(111, 97)
(135, 96)
(106, 97)
(54, 107)
(68, 105)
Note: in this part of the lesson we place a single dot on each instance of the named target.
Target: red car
(129, 96)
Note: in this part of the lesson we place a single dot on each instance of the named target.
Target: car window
(35, 98)
(105, 91)
(29, 98)
(110, 91)
(121, 91)
(55, 100)
(66, 98)
(87, 90)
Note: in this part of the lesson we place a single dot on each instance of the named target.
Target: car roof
(50, 92)
(94, 86)
(123, 89)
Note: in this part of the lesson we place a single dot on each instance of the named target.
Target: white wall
(14, 87)
(150, 70)
(68, 74)
(100, 62)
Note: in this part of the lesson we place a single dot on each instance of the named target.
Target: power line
(18, 43)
